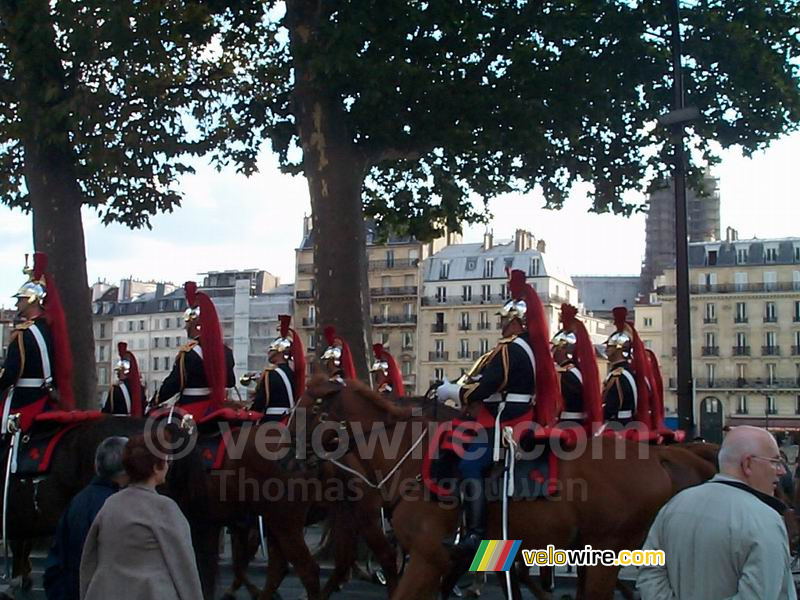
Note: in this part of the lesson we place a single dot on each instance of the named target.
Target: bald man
(726, 537)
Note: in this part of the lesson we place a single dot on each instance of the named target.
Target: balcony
(474, 355)
(394, 319)
(304, 294)
(710, 350)
(309, 268)
(484, 326)
(308, 322)
(796, 318)
(465, 326)
(771, 319)
(382, 265)
(741, 351)
(733, 288)
(710, 320)
(493, 299)
(770, 350)
(740, 320)
(439, 328)
(795, 350)
(739, 383)
(438, 356)
(393, 291)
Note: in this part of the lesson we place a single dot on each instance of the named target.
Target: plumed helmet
(566, 338)
(338, 353)
(282, 343)
(35, 289)
(622, 338)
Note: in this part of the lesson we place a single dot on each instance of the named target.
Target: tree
(101, 101)
(406, 109)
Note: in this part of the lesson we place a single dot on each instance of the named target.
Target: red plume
(54, 314)
(378, 350)
(134, 380)
(39, 265)
(211, 343)
(348, 368)
(395, 376)
(657, 401)
(548, 390)
(587, 365)
(299, 356)
(330, 334)
(620, 316)
(641, 366)
(190, 289)
(284, 324)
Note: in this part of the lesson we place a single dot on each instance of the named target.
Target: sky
(229, 221)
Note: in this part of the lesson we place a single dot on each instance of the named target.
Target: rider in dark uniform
(625, 391)
(203, 368)
(337, 359)
(36, 374)
(573, 353)
(504, 385)
(282, 382)
(125, 396)
(387, 377)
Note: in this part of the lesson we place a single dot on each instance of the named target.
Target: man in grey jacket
(725, 538)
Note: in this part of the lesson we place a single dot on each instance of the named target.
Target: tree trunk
(50, 173)
(335, 172)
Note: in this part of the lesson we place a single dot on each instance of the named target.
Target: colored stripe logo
(495, 555)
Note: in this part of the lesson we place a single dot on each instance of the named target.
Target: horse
(620, 497)
(35, 503)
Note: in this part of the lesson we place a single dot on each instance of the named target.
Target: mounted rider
(573, 353)
(515, 381)
(283, 380)
(36, 375)
(204, 365)
(337, 358)
(387, 376)
(125, 396)
(626, 390)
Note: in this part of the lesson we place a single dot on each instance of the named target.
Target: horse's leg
(600, 582)
(205, 539)
(580, 586)
(419, 581)
(343, 534)
(277, 567)
(384, 552)
(528, 580)
(625, 590)
(21, 567)
(242, 554)
(293, 545)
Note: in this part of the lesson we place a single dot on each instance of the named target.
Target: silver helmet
(379, 365)
(622, 340)
(32, 291)
(333, 353)
(514, 309)
(565, 339)
(123, 367)
(191, 314)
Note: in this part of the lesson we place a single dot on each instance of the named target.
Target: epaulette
(24, 326)
(188, 346)
(617, 372)
(270, 367)
(508, 340)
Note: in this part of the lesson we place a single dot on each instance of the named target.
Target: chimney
(540, 246)
(159, 290)
(487, 240)
(306, 225)
(522, 240)
(731, 235)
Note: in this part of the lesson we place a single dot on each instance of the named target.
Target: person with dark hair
(62, 570)
(140, 541)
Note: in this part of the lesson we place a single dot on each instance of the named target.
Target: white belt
(29, 382)
(510, 398)
(277, 410)
(572, 415)
(196, 391)
(624, 414)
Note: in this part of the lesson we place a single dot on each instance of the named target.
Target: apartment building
(745, 314)
(463, 288)
(394, 281)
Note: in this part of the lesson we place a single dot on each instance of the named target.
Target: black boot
(475, 517)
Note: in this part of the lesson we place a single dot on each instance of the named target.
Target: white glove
(448, 391)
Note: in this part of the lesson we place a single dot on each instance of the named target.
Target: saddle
(39, 442)
(212, 438)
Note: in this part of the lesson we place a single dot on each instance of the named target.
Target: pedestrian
(140, 545)
(725, 538)
(62, 569)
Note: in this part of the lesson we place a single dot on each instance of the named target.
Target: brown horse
(607, 502)
(35, 504)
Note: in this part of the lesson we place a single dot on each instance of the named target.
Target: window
(177, 341)
(486, 292)
(155, 342)
(740, 281)
(710, 340)
(648, 322)
(508, 263)
(439, 347)
(770, 281)
(466, 293)
(796, 349)
(648, 344)
(741, 340)
(797, 253)
(312, 343)
(769, 339)
(385, 312)
(535, 266)
(407, 366)
(472, 264)
(771, 379)
(711, 257)
(312, 314)
(463, 321)
(711, 313)
(484, 346)
(772, 405)
(441, 294)
(140, 344)
(166, 363)
(167, 323)
(444, 269)
(797, 405)
(141, 325)
(741, 409)
(438, 374)
(155, 363)
(102, 376)
(741, 312)
(167, 342)
(707, 280)
(505, 294)
(796, 311)
(390, 258)
(770, 314)
(385, 339)
(463, 349)
(130, 325)
(102, 330)
(408, 340)
(796, 280)
(741, 378)
(488, 267)
(741, 256)
(408, 311)
(102, 353)
(710, 374)
(771, 254)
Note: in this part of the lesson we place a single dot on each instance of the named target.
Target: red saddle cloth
(213, 441)
(46, 431)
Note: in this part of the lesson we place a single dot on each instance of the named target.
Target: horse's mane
(320, 385)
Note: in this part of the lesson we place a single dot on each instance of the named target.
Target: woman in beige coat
(139, 546)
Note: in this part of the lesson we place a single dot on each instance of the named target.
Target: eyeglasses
(775, 462)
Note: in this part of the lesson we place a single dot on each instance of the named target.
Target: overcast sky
(231, 222)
